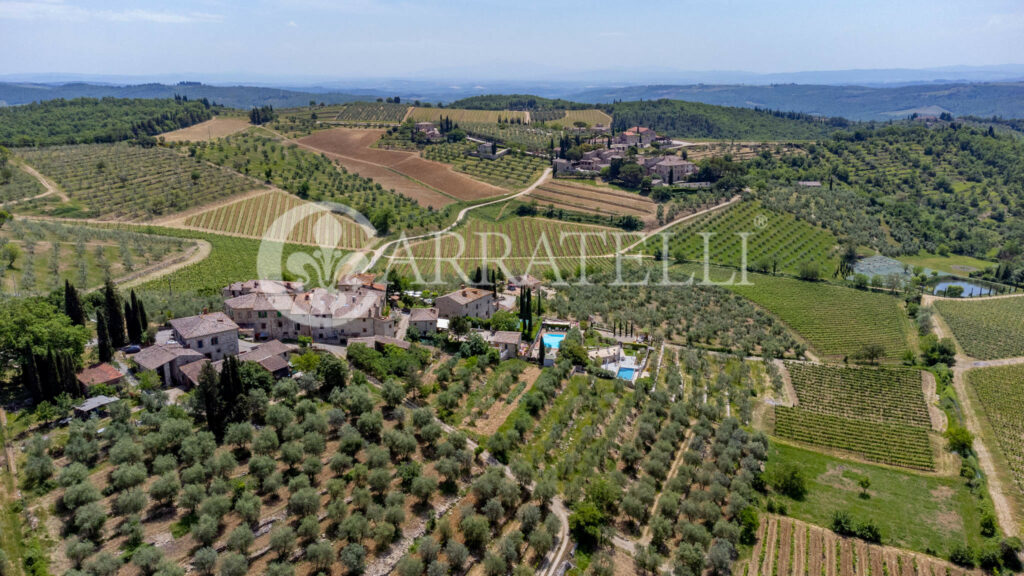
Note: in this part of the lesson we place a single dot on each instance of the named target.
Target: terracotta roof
(423, 314)
(525, 280)
(265, 286)
(467, 295)
(99, 374)
(268, 349)
(156, 356)
(203, 325)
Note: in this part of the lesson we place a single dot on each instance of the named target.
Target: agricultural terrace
(986, 328)
(788, 547)
(490, 399)
(43, 254)
(739, 151)
(254, 217)
(125, 182)
(601, 201)
(562, 242)
(1002, 395)
(525, 136)
(413, 177)
(927, 513)
(691, 315)
(460, 116)
(777, 242)
(879, 414)
(836, 321)
(591, 117)
(16, 184)
(314, 177)
(216, 127)
(372, 113)
(346, 484)
(513, 170)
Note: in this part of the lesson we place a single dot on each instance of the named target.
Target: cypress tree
(540, 302)
(542, 352)
(105, 348)
(141, 311)
(209, 393)
(73, 305)
(30, 374)
(129, 322)
(114, 315)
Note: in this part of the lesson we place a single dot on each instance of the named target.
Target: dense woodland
(88, 120)
(693, 120)
(516, 102)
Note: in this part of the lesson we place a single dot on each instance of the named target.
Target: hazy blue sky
(364, 38)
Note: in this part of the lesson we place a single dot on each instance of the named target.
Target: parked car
(131, 349)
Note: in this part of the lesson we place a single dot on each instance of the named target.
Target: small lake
(971, 289)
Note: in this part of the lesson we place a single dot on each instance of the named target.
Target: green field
(986, 329)
(921, 512)
(125, 182)
(255, 217)
(953, 264)
(513, 171)
(563, 241)
(836, 321)
(874, 394)
(16, 184)
(1001, 391)
(888, 443)
(777, 241)
(523, 136)
(52, 252)
(372, 113)
(460, 116)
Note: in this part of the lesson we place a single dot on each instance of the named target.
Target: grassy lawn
(916, 511)
(952, 264)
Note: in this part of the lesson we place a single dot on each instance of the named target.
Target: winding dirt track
(1001, 502)
(51, 188)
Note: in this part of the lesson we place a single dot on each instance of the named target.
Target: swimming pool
(553, 340)
(626, 373)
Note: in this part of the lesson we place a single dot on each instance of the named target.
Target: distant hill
(855, 102)
(244, 97)
(696, 120)
(516, 102)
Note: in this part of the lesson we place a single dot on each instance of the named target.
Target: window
(214, 341)
(262, 314)
(199, 343)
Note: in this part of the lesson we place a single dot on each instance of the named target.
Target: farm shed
(94, 405)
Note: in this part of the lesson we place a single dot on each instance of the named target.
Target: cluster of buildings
(664, 170)
(429, 131)
(268, 313)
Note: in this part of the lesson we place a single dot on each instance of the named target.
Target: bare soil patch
(351, 148)
(218, 127)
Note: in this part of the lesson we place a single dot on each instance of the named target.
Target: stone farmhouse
(356, 309)
(429, 131)
(467, 302)
(212, 335)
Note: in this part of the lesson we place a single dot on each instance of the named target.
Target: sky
(517, 39)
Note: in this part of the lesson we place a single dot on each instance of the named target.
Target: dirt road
(51, 188)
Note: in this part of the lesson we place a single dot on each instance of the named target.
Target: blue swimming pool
(626, 373)
(553, 340)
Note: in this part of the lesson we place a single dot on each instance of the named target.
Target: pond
(970, 289)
